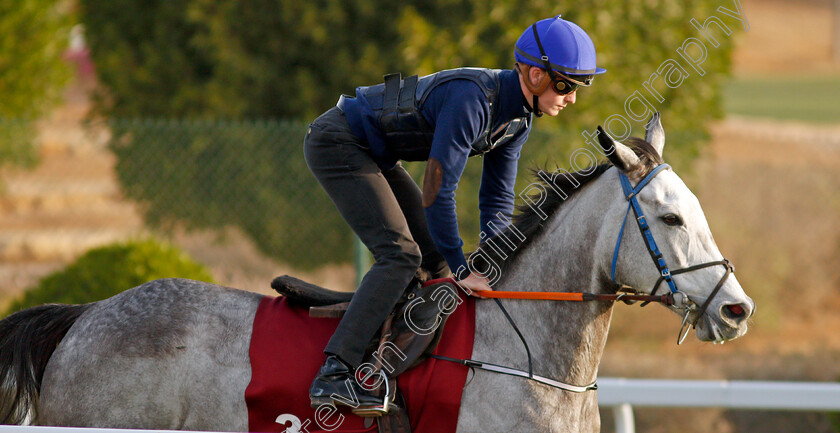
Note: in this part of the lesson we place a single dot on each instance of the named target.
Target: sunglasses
(565, 85)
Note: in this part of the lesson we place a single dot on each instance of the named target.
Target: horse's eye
(672, 219)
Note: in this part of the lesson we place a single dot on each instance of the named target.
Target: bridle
(681, 301)
(676, 299)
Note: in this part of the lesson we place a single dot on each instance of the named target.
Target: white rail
(623, 394)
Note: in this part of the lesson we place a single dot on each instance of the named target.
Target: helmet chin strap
(535, 106)
(536, 90)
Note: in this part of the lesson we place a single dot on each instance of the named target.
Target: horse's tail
(27, 341)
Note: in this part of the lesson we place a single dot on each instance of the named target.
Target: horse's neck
(566, 339)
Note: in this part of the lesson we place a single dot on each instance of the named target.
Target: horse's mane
(529, 224)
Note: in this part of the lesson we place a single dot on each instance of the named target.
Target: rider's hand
(476, 283)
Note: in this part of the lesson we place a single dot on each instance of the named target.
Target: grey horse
(173, 353)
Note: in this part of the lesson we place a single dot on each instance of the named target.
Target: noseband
(681, 300)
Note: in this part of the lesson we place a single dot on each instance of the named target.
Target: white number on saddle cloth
(285, 418)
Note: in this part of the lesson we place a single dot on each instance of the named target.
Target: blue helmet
(558, 43)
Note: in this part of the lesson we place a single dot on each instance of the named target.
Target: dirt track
(786, 38)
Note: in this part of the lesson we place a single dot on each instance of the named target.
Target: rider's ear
(620, 155)
(655, 134)
(535, 75)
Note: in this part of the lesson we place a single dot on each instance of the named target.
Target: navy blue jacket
(459, 112)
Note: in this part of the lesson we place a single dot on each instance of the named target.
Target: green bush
(106, 271)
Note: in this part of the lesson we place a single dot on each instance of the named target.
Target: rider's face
(552, 103)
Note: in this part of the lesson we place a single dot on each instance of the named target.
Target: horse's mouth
(717, 331)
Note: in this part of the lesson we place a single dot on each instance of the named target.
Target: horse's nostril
(735, 313)
(736, 310)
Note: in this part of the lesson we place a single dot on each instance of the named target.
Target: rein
(580, 297)
(667, 299)
(675, 298)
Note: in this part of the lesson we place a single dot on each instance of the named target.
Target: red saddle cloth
(287, 351)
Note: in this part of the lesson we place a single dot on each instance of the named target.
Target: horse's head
(700, 276)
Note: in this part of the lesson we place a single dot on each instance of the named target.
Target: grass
(815, 99)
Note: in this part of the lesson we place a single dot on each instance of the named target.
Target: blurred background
(147, 139)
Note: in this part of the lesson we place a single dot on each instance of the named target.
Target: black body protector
(397, 105)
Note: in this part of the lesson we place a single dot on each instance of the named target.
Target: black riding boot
(335, 384)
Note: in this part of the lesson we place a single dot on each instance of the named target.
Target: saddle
(409, 334)
(308, 294)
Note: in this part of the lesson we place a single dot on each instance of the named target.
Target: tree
(266, 58)
(32, 72)
(281, 59)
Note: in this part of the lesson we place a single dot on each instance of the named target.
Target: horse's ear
(620, 155)
(655, 134)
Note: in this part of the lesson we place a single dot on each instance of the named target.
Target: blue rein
(630, 193)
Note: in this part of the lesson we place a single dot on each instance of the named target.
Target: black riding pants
(384, 209)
